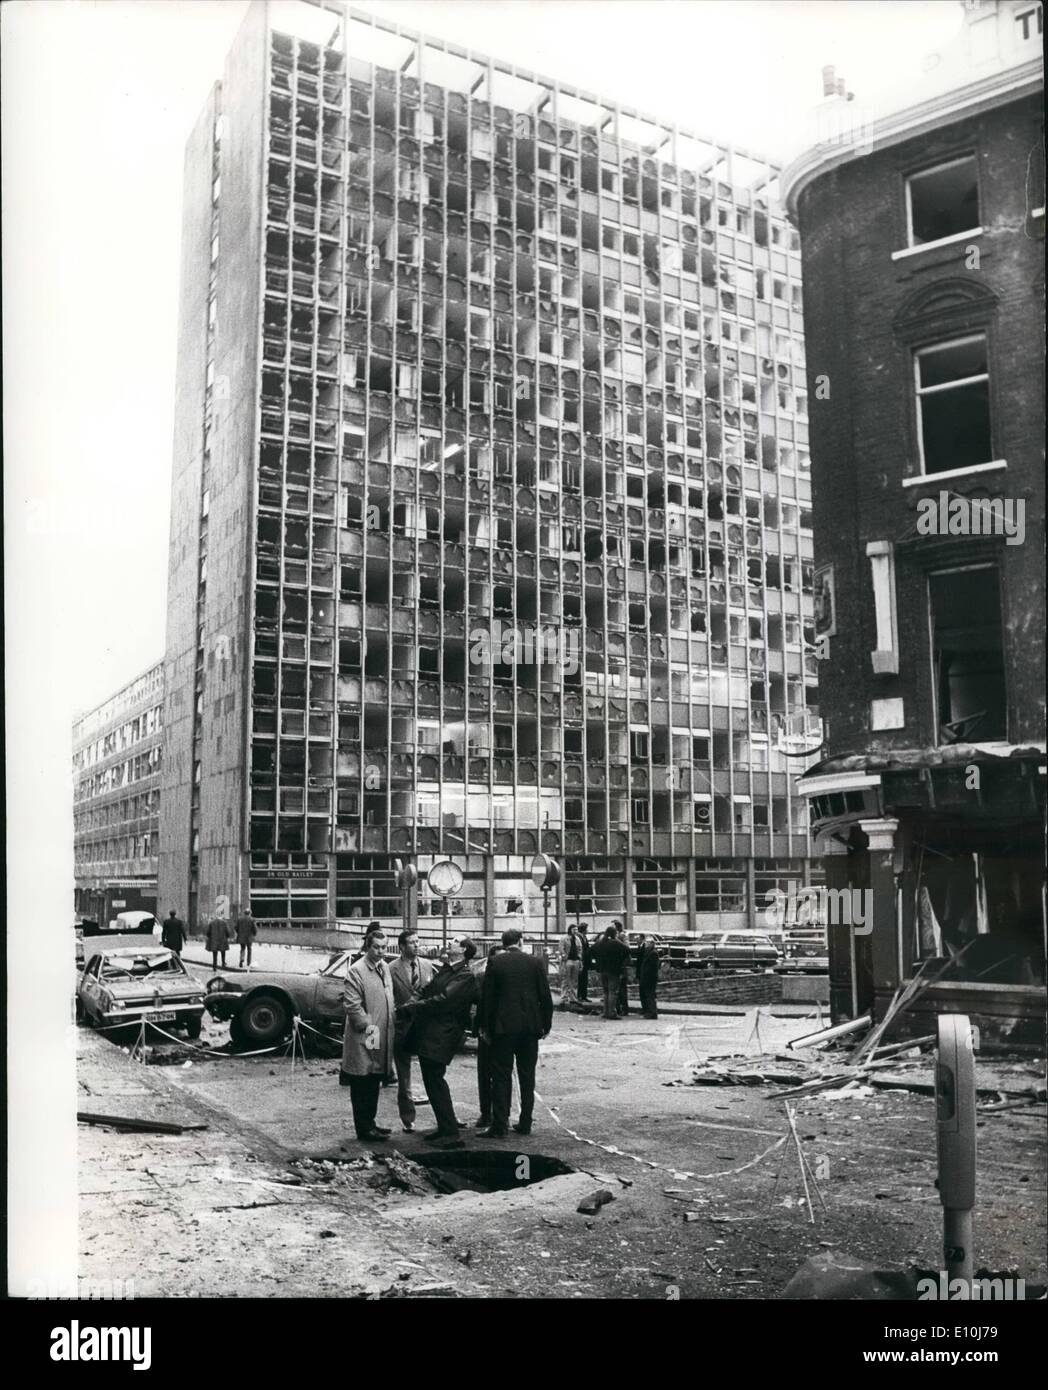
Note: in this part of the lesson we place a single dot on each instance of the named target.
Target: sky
(101, 96)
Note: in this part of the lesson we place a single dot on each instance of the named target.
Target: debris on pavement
(832, 1274)
(593, 1203)
(141, 1126)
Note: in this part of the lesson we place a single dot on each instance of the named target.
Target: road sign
(545, 872)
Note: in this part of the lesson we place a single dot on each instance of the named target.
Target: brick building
(117, 756)
(922, 227)
(472, 363)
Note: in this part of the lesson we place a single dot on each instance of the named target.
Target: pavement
(707, 1194)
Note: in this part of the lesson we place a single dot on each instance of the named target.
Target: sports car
(261, 1005)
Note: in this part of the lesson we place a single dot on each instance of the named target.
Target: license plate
(159, 1017)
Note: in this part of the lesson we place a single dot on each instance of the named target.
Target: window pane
(968, 655)
(955, 427)
(943, 202)
(952, 362)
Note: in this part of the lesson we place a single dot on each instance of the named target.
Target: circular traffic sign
(545, 872)
(445, 878)
(406, 873)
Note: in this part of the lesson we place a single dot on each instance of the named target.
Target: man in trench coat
(367, 1047)
(219, 935)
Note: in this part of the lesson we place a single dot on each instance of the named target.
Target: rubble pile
(386, 1174)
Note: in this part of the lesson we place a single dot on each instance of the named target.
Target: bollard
(955, 1132)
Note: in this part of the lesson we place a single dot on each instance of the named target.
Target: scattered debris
(825, 1035)
(140, 1126)
(834, 1275)
(593, 1203)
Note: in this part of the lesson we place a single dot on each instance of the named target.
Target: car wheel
(81, 1017)
(193, 1028)
(264, 1020)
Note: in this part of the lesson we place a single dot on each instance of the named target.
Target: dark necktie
(414, 974)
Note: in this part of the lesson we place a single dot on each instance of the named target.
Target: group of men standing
(412, 1007)
(609, 956)
(219, 935)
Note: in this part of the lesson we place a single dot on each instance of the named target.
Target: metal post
(545, 918)
(444, 920)
(955, 1132)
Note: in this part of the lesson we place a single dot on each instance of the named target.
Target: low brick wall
(691, 987)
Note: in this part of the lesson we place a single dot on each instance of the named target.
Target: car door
(88, 989)
(327, 1000)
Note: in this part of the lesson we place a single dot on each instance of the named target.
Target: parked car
(133, 924)
(805, 952)
(731, 951)
(132, 983)
(260, 1006)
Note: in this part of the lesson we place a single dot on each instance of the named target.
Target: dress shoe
(381, 1129)
(408, 1127)
(494, 1132)
(483, 1122)
(431, 1136)
(373, 1136)
(522, 1128)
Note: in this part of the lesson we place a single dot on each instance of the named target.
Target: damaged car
(260, 1006)
(122, 987)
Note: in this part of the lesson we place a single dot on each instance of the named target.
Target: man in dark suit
(516, 1010)
(173, 933)
(612, 957)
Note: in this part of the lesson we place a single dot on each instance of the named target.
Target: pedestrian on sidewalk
(611, 957)
(485, 1079)
(409, 975)
(648, 964)
(438, 1020)
(587, 963)
(516, 1010)
(173, 933)
(572, 949)
(246, 933)
(219, 935)
(367, 1046)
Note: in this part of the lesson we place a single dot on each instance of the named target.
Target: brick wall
(864, 314)
(691, 987)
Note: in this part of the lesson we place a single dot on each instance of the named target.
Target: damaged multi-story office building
(491, 526)
(922, 222)
(117, 754)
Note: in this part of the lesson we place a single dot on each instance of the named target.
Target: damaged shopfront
(949, 844)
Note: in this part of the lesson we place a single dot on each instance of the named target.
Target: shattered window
(967, 655)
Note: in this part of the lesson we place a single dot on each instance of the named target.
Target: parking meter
(955, 1133)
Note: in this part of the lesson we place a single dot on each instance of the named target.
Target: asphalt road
(705, 1204)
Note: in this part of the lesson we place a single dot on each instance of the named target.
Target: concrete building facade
(491, 528)
(924, 283)
(117, 757)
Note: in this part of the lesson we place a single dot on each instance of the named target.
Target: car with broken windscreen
(261, 1005)
(123, 987)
